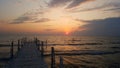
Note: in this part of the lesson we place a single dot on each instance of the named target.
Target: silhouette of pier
(28, 55)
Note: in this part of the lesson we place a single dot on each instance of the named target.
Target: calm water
(77, 51)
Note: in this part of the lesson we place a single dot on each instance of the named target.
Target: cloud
(32, 0)
(91, 9)
(68, 3)
(76, 3)
(21, 19)
(42, 20)
(24, 19)
(4, 21)
(110, 6)
(104, 27)
(31, 16)
(80, 20)
(113, 9)
(56, 3)
(50, 29)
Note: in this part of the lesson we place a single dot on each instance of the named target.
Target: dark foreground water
(77, 51)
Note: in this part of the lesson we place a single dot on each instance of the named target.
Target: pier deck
(28, 57)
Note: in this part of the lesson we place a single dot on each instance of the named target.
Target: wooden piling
(61, 62)
(11, 50)
(38, 44)
(42, 48)
(35, 40)
(22, 42)
(18, 45)
(52, 58)
(46, 44)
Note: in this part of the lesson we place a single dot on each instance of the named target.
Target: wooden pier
(28, 56)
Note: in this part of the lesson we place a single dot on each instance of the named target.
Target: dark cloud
(42, 20)
(111, 5)
(21, 19)
(76, 3)
(91, 9)
(24, 19)
(56, 3)
(105, 27)
(30, 17)
(68, 3)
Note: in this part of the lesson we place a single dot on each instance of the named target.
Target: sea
(76, 51)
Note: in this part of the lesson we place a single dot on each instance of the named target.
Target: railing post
(52, 58)
(18, 45)
(11, 50)
(61, 62)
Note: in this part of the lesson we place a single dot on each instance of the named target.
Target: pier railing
(41, 45)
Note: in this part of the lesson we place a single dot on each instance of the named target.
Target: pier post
(46, 44)
(38, 44)
(42, 48)
(61, 62)
(18, 45)
(11, 50)
(35, 40)
(52, 58)
(22, 42)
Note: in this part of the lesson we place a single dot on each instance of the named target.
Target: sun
(66, 33)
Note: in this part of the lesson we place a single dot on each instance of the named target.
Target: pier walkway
(28, 56)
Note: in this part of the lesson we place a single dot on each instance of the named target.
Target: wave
(114, 42)
(86, 52)
(77, 44)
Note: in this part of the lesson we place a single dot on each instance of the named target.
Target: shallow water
(77, 51)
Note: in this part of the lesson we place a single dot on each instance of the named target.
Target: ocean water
(76, 51)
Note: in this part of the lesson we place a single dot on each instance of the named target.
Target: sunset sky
(60, 17)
